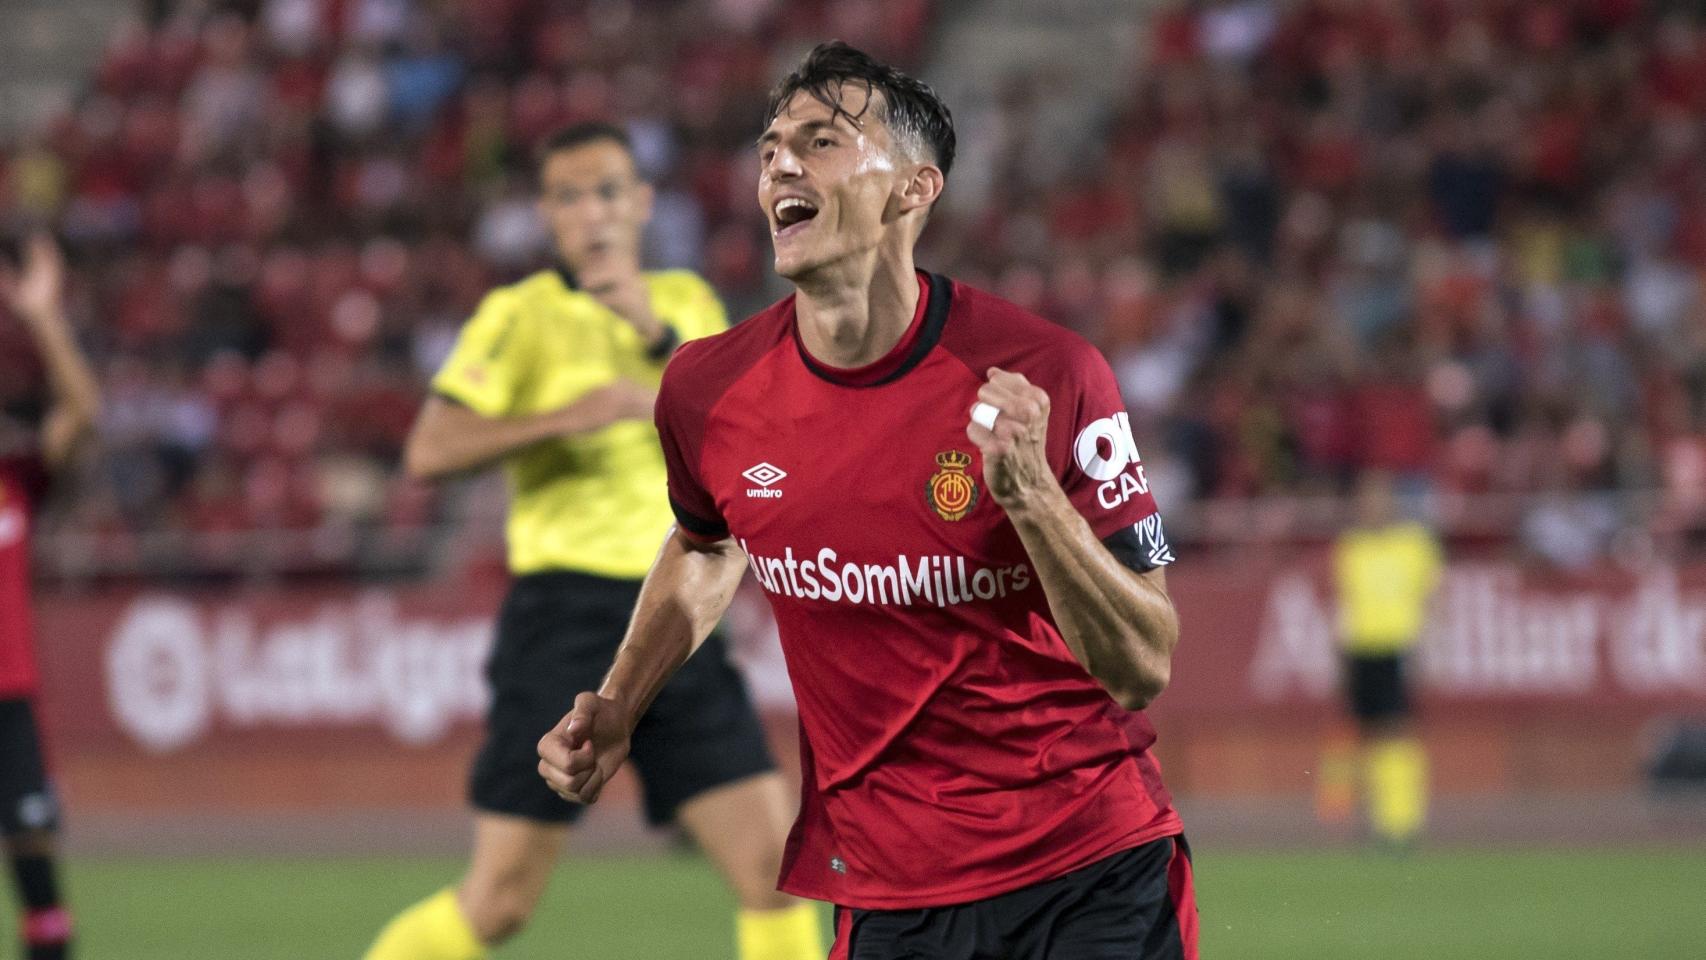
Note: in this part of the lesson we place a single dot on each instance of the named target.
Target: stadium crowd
(1462, 241)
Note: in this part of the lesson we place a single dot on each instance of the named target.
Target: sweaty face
(826, 181)
(596, 205)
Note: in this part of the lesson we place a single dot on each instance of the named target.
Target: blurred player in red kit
(940, 495)
(36, 438)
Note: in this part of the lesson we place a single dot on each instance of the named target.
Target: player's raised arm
(1118, 622)
(37, 295)
(690, 586)
(448, 437)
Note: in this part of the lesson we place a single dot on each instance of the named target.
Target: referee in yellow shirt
(1385, 570)
(555, 377)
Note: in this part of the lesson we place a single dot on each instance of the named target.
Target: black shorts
(27, 800)
(1375, 686)
(1136, 905)
(556, 635)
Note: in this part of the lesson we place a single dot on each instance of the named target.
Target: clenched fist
(1009, 424)
(580, 754)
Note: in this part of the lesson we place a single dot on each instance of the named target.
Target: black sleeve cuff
(665, 344)
(697, 525)
(1142, 546)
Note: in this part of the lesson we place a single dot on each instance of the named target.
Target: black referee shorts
(556, 635)
(1136, 905)
(27, 800)
(1376, 687)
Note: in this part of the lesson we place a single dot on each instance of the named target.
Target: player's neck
(852, 314)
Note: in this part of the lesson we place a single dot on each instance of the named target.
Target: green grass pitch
(1320, 906)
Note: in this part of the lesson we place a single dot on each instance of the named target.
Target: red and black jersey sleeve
(680, 414)
(1101, 470)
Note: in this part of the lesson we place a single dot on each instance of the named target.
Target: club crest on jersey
(952, 492)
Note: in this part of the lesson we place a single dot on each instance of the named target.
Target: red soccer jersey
(17, 630)
(952, 747)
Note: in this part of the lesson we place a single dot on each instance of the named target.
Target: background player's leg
(1397, 785)
(741, 827)
(46, 925)
(1395, 763)
(510, 866)
(29, 817)
(1336, 776)
(512, 862)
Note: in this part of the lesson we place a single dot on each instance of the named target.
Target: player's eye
(764, 156)
(609, 191)
(823, 143)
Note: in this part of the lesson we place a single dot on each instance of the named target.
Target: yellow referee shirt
(1384, 578)
(596, 502)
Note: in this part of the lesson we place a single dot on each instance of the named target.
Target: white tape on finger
(984, 414)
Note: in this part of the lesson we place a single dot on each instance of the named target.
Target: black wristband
(665, 344)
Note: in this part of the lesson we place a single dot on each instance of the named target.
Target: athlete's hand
(37, 292)
(618, 284)
(581, 753)
(621, 399)
(1015, 461)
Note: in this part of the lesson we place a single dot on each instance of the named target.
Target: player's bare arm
(1119, 623)
(687, 591)
(36, 293)
(449, 438)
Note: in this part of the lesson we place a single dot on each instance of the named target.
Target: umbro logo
(766, 475)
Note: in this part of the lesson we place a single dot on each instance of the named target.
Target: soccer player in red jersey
(940, 494)
(29, 811)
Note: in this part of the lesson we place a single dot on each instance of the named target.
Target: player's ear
(922, 188)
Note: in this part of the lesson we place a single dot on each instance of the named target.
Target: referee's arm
(449, 438)
(687, 591)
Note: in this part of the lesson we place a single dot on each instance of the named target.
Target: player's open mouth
(791, 214)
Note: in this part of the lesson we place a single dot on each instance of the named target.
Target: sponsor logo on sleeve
(766, 476)
(1106, 452)
(951, 491)
(1153, 540)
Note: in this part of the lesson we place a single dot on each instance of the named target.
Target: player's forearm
(76, 394)
(687, 591)
(1119, 624)
(448, 439)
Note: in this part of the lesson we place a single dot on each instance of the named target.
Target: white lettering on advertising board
(176, 669)
(1489, 635)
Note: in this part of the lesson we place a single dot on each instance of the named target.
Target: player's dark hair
(915, 116)
(581, 134)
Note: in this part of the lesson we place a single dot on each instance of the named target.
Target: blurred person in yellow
(1385, 570)
(555, 377)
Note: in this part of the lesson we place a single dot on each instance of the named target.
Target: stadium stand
(1307, 219)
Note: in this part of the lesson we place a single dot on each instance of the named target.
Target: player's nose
(784, 164)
